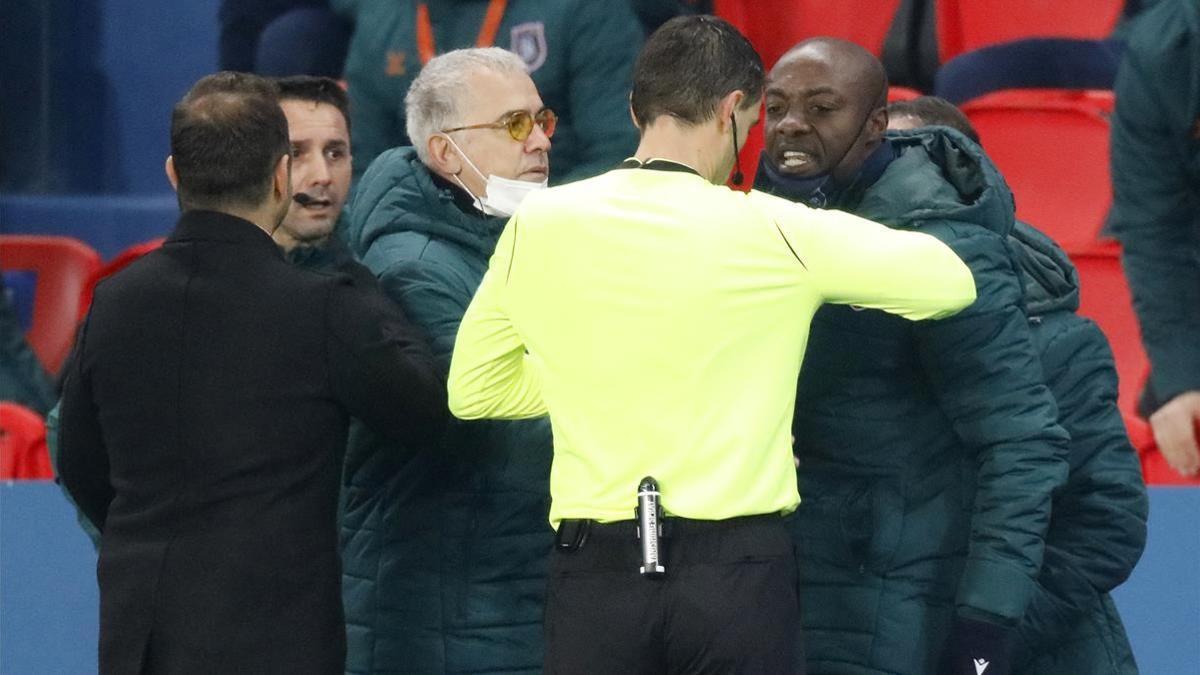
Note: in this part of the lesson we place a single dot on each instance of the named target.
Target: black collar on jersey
(658, 165)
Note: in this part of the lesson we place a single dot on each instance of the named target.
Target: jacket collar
(398, 194)
(658, 164)
(461, 198)
(330, 254)
(198, 225)
(440, 214)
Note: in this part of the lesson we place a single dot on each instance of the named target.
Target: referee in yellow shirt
(660, 319)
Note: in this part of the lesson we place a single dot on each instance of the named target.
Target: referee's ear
(726, 108)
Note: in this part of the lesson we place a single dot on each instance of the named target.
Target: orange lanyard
(487, 32)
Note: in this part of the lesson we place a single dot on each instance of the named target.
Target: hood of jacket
(939, 174)
(1050, 281)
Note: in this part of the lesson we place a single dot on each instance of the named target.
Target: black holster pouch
(571, 535)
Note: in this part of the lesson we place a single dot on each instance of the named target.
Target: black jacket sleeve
(984, 366)
(83, 459)
(381, 367)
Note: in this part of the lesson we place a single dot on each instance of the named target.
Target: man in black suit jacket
(206, 409)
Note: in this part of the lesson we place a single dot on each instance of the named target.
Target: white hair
(434, 100)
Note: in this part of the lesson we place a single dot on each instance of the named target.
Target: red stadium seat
(1052, 147)
(773, 26)
(63, 266)
(112, 267)
(1104, 298)
(965, 25)
(23, 454)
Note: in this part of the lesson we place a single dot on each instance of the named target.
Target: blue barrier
(50, 618)
(1160, 603)
(49, 621)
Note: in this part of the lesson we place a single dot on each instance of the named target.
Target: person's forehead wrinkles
(317, 133)
(485, 113)
(488, 91)
(803, 91)
(776, 91)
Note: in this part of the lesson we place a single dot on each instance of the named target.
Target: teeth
(795, 159)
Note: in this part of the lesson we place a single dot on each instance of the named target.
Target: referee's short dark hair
(227, 135)
(688, 65)
(315, 90)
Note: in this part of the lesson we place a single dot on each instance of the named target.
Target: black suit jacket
(203, 422)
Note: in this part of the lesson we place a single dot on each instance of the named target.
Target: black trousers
(728, 602)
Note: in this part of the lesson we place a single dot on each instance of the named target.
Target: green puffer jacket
(928, 450)
(445, 548)
(580, 54)
(1098, 523)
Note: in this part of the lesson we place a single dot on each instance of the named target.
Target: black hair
(315, 90)
(688, 65)
(930, 110)
(227, 135)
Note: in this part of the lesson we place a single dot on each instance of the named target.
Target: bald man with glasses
(445, 546)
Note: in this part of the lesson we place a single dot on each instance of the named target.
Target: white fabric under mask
(501, 196)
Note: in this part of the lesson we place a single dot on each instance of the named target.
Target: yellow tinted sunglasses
(519, 124)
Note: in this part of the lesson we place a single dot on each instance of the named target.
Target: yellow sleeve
(854, 261)
(491, 375)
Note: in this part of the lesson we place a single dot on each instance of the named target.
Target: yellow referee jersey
(661, 321)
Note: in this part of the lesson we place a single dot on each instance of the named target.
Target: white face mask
(501, 196)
